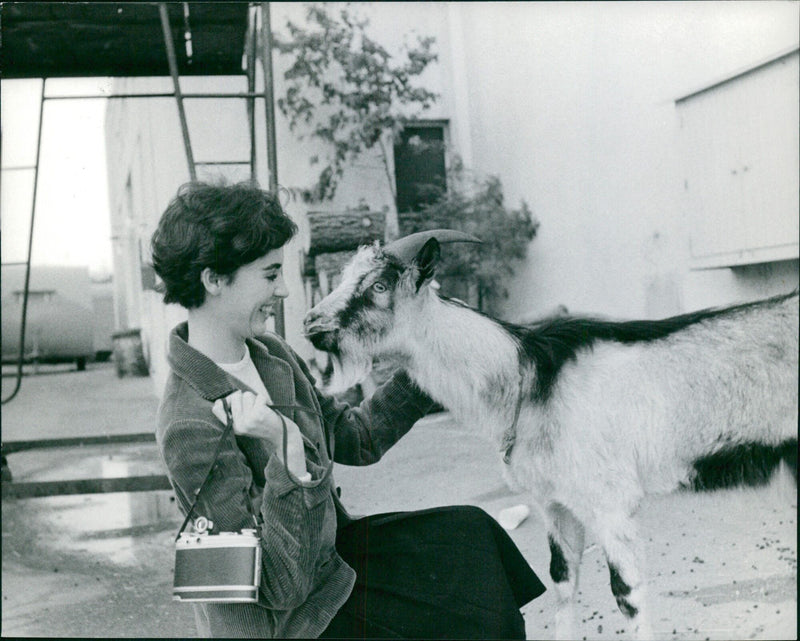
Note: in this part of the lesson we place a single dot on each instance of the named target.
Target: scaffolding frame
(258, 47)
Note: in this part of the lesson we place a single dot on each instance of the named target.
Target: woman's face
(248, 300)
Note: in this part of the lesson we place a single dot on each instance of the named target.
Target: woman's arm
(292, 530)
(252, 417)
(363, 434)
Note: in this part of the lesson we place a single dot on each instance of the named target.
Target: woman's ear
(211, 281)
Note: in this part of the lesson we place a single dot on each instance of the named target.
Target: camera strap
(225, 432)
(221, 442)
(329, 466)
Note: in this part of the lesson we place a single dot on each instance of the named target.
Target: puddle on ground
(120, 527)
(91, 461)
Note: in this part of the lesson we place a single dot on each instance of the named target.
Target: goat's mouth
(327, 341)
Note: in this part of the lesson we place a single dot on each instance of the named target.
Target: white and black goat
(589, 415)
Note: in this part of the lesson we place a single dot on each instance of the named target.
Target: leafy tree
(345, 89)
(477, 206)
(348, 90)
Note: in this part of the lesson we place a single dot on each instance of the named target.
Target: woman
(445, 572)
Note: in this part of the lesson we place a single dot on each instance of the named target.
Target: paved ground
(721, 566)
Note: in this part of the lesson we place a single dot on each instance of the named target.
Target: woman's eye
(378, 287)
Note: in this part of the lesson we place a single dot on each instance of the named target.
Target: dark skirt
(449, 572)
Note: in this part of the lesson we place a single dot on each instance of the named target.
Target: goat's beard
(349, 368)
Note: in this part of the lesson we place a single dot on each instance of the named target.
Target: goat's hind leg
(618, 536)
(566, 538)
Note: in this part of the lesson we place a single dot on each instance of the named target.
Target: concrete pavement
(721, 566)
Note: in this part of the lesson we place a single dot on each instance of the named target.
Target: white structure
(62, 321)
(741, 165)
(583, 110)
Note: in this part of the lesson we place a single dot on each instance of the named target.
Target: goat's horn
(406, 248)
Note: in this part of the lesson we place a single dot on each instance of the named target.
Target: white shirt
(245, 370)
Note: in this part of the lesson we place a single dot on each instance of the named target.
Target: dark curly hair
(218, 226)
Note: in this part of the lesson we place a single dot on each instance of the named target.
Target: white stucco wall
(146, 151)
(570, 104)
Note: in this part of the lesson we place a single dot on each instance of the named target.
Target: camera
(217, 568)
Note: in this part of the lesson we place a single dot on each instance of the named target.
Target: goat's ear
(426, 260)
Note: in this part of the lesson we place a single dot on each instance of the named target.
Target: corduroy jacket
(303, 580)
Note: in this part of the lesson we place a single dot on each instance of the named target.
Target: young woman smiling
(443, 572)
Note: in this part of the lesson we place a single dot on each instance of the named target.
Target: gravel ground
(720, 566)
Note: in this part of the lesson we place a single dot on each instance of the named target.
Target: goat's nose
(312, 317)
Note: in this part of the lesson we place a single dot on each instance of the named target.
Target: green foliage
(345, 89)
(476, 206)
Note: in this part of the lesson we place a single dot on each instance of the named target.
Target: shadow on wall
(768, 279)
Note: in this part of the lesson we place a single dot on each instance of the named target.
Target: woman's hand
(252, 417)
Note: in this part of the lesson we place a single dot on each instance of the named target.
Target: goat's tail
(749, 464)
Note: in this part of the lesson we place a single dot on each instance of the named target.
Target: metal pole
(251, 87)
(185, 96)
(173, 69)
(269, 111)
(30, 253)
(269, 91)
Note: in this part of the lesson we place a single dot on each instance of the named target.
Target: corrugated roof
(55, 39)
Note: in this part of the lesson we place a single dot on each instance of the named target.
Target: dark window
(45, 295)
(419, 168)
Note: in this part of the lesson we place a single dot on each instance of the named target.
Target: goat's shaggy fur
(609, 412)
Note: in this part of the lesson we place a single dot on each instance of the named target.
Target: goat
(590, 415)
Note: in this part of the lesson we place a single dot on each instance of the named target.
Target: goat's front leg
(566, 537)
(619, 538)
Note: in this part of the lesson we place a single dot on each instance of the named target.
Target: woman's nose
(280, 288)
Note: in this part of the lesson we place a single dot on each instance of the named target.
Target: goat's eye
(378, 287)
